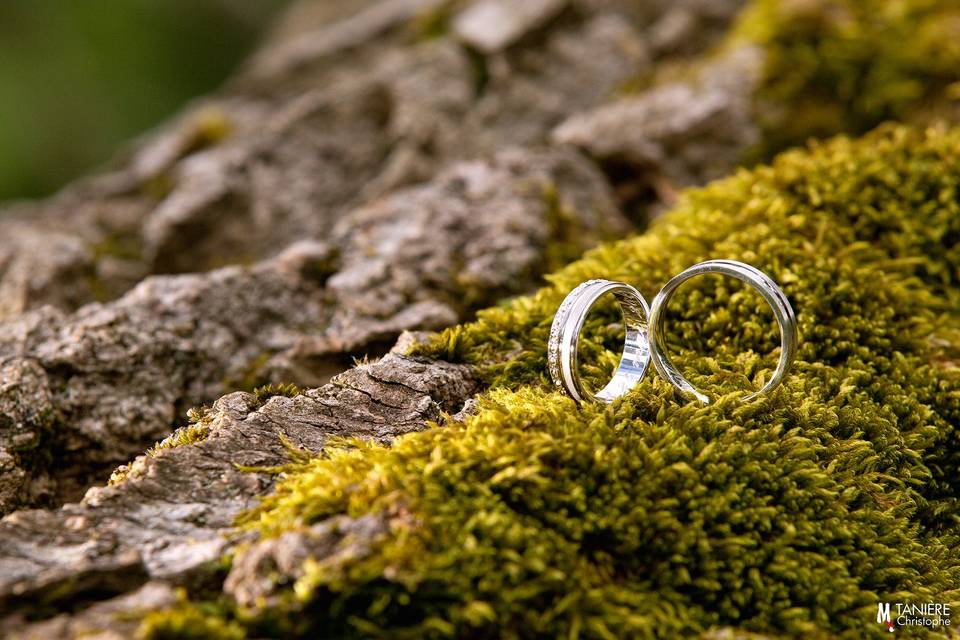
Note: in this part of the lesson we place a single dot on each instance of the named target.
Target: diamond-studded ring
(565, 337)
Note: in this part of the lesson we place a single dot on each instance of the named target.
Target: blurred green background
(80, 77)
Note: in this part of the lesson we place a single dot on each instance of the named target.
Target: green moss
(434, 22)
(122, 246)
(565, 240)
(121, 474)
(188, 622)
(792, 514)
(159, 186)
(846, 65)
(196, 430)
(264, 393)
(208, 127)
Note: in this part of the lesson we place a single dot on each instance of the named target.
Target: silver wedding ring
(775, 297)
(644, 326)
(565, 336)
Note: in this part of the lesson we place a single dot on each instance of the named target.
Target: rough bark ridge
(331, 116)
(168, 520)
(277, 159)
(376, 168)
(86, 391)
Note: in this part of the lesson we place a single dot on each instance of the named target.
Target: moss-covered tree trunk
(382, 167)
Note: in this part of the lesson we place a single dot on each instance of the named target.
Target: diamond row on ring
(553, 343)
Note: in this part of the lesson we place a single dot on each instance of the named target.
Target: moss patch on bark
(847, 65)
(791, 514)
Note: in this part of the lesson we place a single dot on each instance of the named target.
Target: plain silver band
(565, 336)
(757, 279)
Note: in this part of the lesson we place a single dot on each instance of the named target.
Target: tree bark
(395, 166)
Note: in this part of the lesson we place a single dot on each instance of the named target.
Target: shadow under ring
(562, 346)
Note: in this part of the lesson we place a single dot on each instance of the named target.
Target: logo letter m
(883, 612)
